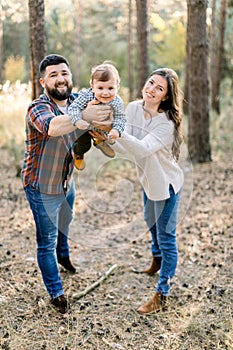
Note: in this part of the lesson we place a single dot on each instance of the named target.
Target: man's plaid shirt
(48, 161)
(85, 96)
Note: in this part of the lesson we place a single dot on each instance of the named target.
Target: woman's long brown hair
(172, 106)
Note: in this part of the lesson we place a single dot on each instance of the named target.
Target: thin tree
(198, 87)
(217, 60)
(78, 10)
(1, 44)
(130, 51)
(213, 44)
(37, 42)
(142, 45)
(187, 71)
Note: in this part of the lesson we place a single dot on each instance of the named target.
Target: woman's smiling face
(155, 90)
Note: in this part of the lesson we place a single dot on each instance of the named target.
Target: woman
(153, 137)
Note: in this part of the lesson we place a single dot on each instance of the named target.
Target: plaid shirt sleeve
(48, 161)
(118, 114)
(40, 116)
(80, 103)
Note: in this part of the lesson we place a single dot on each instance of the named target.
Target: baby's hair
(105, 72)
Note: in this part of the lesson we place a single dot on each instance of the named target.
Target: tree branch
(95, 284)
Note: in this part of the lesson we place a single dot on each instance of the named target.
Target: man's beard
(60, 96)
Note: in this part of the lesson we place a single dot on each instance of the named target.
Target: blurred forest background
(104, 35)
(194, 38)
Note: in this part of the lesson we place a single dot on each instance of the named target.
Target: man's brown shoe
(79, 162)
(156, 303)
(61, 304)
(155, 266)
(105, 148)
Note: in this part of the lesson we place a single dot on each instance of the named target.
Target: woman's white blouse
(148, 143)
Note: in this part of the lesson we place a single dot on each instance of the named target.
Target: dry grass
(104, 233)
(13, 106)
(200, 313)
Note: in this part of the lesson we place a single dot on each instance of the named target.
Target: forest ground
(108, 230)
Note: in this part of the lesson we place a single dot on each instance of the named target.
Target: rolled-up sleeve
(40, 116)
(119, 114)
(79, 104)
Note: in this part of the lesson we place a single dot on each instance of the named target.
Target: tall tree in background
(213, 44)
(187, 72)
(217, 55)
(1, 44)
(198, 86)
(142, 44)
(37, 42)
(78, 7)
(130, 51)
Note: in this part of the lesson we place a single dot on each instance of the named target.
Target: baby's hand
(82, 124)
(113, 134)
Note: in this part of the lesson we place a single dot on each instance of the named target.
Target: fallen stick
(95, 284)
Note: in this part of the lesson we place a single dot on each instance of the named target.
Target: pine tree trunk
(130, 51)
(37, 42)
(78, 6)
(198, 128)
(213, 44)
(142, 45)
(1, 46)
(217, 66)
(187, 68)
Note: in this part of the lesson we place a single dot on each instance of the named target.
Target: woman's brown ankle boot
(156, 303)
(155, 265)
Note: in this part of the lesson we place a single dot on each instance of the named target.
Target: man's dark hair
(51, 60)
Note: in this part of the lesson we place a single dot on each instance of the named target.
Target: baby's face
(105, 91)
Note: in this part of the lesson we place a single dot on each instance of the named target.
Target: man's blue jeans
(52, 215)
(161, 219)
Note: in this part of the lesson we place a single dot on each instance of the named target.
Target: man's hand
(82, 124)
(105, 126)
(95, 113)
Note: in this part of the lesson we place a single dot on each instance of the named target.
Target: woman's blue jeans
(52, 215)
(161, 219)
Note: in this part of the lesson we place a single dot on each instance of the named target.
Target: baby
(105, 82)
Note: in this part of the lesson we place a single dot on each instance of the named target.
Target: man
(48, 167)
